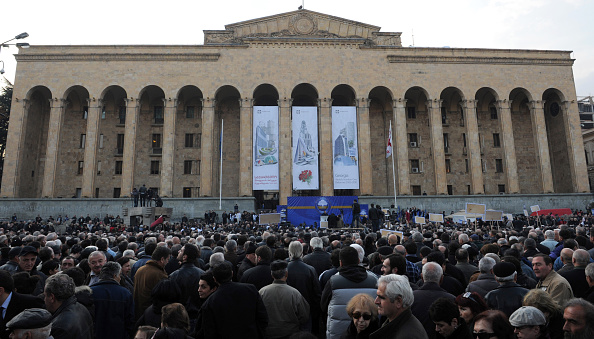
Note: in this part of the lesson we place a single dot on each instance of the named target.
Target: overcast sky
(514, 24)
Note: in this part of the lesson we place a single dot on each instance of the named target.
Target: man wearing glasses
(394, 298)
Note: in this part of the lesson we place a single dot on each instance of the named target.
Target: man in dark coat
(14, 303)
(188, 276)
(577, 276)
(304, 278)
(248, 261)
(427, 294)
(235, 310)
(147, 278)
(114, 306)
(70, 318)
(485, 282)
(260, 275)
(509, 295)
(319, 259)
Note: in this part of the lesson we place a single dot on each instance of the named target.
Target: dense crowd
(97, 278)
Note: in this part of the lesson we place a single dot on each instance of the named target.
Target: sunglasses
(366, 316)
(483, 335)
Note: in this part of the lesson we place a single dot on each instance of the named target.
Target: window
(188, 166)
(493, 111)
(464, 139)
(501, 189)
(155, 167)
(414, 166)
(450, 190)
(468, 188)
(156, 144)
(499, 165)
(158, 114)
(446, 143)
(448, 166)
(416, 189)
(466, 163)
(155, 190)
(190, 112)
(189, 140)
(103, 113)
(122, 115)
(117, 192)
(83, 140)
(187, 192)
(444, 119)
(101, 140)
(85, 112)
(118, 167)
(484, 165)
(78, 192)
(81, 165)
(99, 167)
(413, 140)
(96, 192)
(412, 114)
(496, 140)
(120, 144)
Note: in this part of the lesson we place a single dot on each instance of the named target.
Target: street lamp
(18, 37)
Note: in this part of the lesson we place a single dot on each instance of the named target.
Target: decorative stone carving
(303, 24)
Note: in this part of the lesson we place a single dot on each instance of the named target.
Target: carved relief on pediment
(303, 24)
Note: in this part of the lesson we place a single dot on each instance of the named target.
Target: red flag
(157, 222)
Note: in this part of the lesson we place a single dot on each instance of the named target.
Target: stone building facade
(96, 121)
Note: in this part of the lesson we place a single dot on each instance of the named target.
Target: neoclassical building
(96, 121)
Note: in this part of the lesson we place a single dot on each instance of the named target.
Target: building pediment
(301, 25)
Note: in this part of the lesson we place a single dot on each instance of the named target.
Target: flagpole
(221, 170)
(393, 170)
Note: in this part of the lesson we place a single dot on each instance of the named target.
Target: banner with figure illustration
(305, 148)
(265, 148)
(344, 147)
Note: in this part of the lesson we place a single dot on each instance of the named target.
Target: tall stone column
(284, 150)
(129, 156)
(14, 147)
(245, 147)
(400, 145)
(168, 156)
(57, 107)
(575, 145)
(207, 154)
(92, 139)
(473, 147)
(539, 129)
(509, 148)
(436, 128)
(364, 142)
(325, 137)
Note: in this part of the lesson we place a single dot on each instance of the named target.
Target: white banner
(305, 148)
(344, 147)
(265, 148)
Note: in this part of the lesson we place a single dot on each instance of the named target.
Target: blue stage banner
(309, 209)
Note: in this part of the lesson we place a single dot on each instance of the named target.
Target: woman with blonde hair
(362, 309)
(551, 310)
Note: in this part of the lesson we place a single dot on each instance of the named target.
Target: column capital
(131, 102)
(246, 102)
(325, 102)
(57, 103)
(468, 104)
(92, 102)
(434, 103)
(169, 102)
(285, 102)
(536, 104)
(208, 102)
(399, 103)
(363, 102)
(503, 104)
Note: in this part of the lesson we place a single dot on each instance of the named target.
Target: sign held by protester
(435, 217)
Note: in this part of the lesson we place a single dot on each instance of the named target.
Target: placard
(305, 156)
(475, 208)
(345, 149)
(420, 220)
(269, 218)
(493, 216)
(435, 217)
(534, 208)
(265, 148)
(459, 219)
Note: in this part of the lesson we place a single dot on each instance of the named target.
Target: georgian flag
(389, 148)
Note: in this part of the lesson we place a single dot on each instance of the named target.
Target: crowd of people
(525, 278)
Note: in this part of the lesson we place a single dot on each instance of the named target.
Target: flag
(389, 148)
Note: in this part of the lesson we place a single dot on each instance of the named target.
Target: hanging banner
(265, 148)
(305, 148)
(345, 149)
